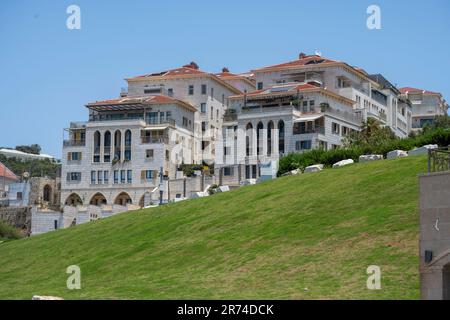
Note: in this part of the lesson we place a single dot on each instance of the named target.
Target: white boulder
(314, 168)
(223, 189)
(423, 150)
(46, 298)
(396, 154)
(343, 163)
(370, 157)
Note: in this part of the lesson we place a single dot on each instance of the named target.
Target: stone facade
(435, 236)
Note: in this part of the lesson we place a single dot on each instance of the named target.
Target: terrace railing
(439, 160)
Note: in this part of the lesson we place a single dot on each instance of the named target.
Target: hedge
(294, 161)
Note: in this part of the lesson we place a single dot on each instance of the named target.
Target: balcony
(149, 140)
(74, 143)
(312, 130)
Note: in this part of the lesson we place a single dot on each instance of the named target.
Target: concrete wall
(17, 217)
(434, 234)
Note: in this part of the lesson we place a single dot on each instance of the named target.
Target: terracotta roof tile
(415, 90)
(7, 173)
(307, 60)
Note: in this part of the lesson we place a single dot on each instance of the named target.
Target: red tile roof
(415, 90)
(172, 73)
(8, 174)
(303, 61)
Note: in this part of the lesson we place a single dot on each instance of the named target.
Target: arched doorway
(47, 194)
(145, 200)
(74, 200)
(281, 136)
(98, 199)
(123, 199)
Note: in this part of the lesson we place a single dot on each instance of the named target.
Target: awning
(156, 128)
(309, 118)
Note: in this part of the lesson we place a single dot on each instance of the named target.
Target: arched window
(47, 196)
(281, 136)
(117, 144)
(270, 127)
(107, 147)
(259, 138)
(248, 138)
(128, 145)
(96, 146)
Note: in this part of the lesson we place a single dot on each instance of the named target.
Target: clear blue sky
(48, 73)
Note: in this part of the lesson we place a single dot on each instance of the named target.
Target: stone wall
(435, 236)
(17, 217)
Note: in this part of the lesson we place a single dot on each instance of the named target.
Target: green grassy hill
(310, 236)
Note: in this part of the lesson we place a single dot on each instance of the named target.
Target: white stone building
(263, 125)
(426, 105)
(372, 98)
(205, 91)
(115, 158)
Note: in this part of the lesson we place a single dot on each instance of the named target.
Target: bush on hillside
(292, 161)
(8, 232)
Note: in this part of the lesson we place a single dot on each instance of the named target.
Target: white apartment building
(263, 125)
(426, 105)
(372, 98)
(205, 91)
(116, 157)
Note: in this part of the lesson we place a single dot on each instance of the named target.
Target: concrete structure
(435, 236)
(426, 105)
(11, 153)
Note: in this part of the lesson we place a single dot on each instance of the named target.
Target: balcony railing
(74, 143)
(439, 160)
(147, 140)
(316, 129)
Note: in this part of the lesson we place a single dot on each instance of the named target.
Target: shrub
(9, 232)
(292, 161)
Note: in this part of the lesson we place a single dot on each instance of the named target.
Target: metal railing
(439, 160)
(74, 143)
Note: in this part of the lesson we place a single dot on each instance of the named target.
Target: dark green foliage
(8, 232)
(439, 136)
(33, 149)
(36, 168)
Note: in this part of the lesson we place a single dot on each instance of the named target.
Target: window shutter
(142, 174)
(80, 156)
(68, 176)
(69, 156)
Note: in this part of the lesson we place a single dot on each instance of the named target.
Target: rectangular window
(167, 155)
(122, 176)
(203, 88)
(185, 122)
(100, 177)
(152, 118)
(191, 90)
(106, 176)
(152, 91)
(260, 85)
(212, 113)
(303, 145)
(217, 114)
(116, 176)
(335, 128)
(149, 153)
(19, 195)
(93, 177)
(228, 171)
(148, 175)
(74, 156)
(203, 108)
(74, 176)
(212, 93)
(129, 176)
(311, 105)
(170, 92)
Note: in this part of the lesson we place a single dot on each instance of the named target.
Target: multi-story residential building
(263, 125)
(426, 105)
(239, 81)
(116, 157)
(7, 177)
(400, 115)
(205, 91)
(339, 77)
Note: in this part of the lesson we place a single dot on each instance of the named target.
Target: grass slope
(317, 231)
